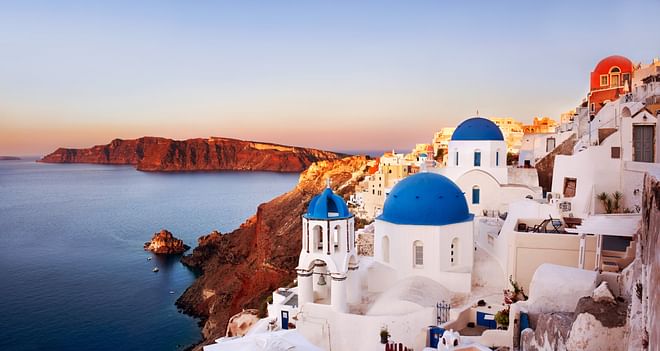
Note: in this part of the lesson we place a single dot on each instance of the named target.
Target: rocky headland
(212, 154)
(165, 243)
(240, 269)
(9, 158)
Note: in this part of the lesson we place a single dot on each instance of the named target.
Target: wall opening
(454, 252)
(385, 245)
(477, 158)
(418, 254)
(476, 195)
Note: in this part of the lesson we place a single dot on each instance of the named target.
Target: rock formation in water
(240, 269)
(165, 243)
(212, 154)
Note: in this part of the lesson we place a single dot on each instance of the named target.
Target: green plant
(515, 295)
(617, 196)
(502, 318)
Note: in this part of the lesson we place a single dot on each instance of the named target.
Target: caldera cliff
(240, 269)
(212, 154)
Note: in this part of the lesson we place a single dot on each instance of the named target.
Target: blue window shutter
(475, 196)
(477, 158)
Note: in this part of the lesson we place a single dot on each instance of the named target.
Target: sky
(337, 75)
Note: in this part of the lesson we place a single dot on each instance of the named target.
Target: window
(616, 152)
(318, 237)
(570, 184)
(386, 249)
(614, 76)
(336, 236)
(418, 252)
(477, 158)
(497, 158)
(643, 144)
(603, 80)
(625, 78)
(550, 144)
(457, 158)
(593, 106)
(475, 195)
(454, 252)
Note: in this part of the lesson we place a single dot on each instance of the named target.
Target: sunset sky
(339, 75)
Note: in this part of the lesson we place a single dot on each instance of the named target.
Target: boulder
(165, 243)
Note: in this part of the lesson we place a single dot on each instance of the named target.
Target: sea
(73, 272)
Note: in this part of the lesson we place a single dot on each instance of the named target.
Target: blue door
(486, 320)
(285, 319)
(435, 333)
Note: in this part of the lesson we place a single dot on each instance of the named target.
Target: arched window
(418, 254)
(614, 77)
(477, 158)
(454, 252)
(386, 249)
(317, 234)
(337, 232)
(475, 195)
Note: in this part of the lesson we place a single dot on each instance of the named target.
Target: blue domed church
(476, 162)
(426, 229)
(328, 256)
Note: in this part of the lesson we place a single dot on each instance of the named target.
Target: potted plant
(384, 335)
(502, 318)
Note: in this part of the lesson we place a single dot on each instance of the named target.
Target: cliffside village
(495, 235)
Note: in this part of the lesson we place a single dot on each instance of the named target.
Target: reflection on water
(73, 271)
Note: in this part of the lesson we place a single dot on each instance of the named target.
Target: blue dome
(477, 128)
(327, 205)
(426, 199)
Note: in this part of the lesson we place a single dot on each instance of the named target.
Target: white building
(477, 163)
(328, 253)
(613, 156)
(426, 230)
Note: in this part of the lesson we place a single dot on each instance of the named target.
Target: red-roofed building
(610, 78)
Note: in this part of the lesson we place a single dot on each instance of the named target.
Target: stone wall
(649, 245)
(546, 165)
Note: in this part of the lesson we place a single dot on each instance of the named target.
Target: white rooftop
(609, 224)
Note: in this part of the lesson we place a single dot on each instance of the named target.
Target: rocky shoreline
(154, 154)
(240, 269)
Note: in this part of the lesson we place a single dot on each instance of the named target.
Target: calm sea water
(73, 274)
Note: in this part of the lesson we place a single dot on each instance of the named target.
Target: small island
(165, 243)
(9, 158)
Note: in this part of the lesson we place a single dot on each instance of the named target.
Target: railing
(396, 347)
(443, 309)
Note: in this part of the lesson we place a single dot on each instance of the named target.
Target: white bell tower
(328, 257)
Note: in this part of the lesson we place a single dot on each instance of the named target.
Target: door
(643, 143)
(285, 320)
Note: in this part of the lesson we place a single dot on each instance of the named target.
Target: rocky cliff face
(165, 243)
(212, 154)
(243, 267)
